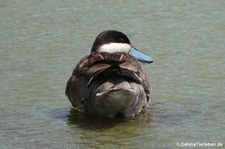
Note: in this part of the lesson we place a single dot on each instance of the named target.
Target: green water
(41, 41)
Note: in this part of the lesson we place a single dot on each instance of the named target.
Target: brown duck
(110, 81)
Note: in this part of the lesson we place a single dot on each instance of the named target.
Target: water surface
(41, 41)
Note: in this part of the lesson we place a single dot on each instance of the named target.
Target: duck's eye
(121, 39)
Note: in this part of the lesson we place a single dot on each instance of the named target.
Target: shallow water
(41, 41)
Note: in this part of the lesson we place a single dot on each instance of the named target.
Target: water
(41, 41)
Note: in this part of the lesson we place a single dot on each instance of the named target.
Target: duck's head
(112, 41)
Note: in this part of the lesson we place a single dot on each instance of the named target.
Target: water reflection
(86, 121)
(93, 132)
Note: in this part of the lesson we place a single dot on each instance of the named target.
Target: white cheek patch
(115, 47)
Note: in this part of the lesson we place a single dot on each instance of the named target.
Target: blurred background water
(41, 41)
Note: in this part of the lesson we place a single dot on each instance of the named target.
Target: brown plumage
(109, 84)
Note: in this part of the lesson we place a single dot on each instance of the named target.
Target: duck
(110, 81)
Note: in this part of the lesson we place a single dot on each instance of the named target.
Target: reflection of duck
(130, 126)
(110, 81)
(89, 122)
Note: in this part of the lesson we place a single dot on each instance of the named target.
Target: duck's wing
(94, 66)
(77, 86)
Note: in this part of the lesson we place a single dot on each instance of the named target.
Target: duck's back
(109, 84)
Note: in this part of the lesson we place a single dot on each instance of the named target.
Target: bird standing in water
(110, 81)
